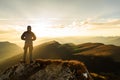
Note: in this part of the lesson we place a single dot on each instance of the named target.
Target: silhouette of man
(29, 37)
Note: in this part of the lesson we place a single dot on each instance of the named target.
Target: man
(29, 37)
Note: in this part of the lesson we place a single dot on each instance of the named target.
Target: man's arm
(23, 36)
(33, 37)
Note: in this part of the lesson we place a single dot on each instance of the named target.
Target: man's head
(28, 28)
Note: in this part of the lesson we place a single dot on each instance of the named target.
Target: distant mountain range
(84, 39)
(54, 49)
(99, 49)
(98, 57)
(8, 50)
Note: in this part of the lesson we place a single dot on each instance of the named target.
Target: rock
(47, 70)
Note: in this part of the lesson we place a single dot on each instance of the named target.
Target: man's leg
(25, 53)
(30, 53)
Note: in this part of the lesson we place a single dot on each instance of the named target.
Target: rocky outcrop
(47, 70)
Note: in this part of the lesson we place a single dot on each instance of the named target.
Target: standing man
(29, 37)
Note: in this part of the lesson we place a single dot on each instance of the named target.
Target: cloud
(6, 31)
(109, 22)
(14, 22)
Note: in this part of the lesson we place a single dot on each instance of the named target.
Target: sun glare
(41, 27)
(46, 29)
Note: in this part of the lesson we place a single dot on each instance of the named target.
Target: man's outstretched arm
(23, 36)
(34, 37)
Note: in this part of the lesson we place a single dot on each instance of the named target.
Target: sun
(41, 27)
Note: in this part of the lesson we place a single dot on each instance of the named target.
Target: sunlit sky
(57, 18)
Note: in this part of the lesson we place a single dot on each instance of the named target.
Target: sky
(59, 18)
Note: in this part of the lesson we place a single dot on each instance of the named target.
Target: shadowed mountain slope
(99, 49)
(53, 50)
(8, 49)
